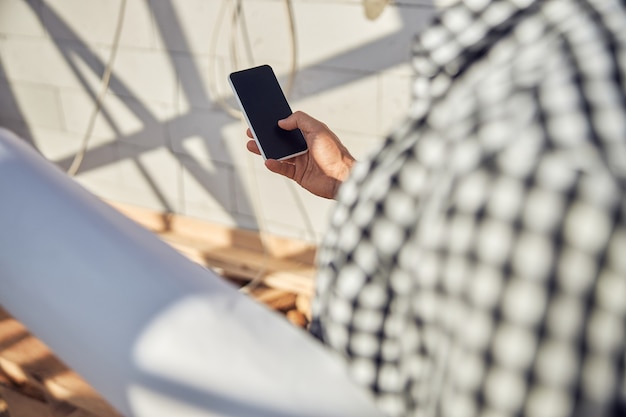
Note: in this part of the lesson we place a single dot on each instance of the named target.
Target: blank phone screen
(264, 104)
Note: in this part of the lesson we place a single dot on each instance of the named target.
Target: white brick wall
(18, 18)
(162, 139)
(38, 103)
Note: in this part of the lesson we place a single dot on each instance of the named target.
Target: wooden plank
(19, 405)
(297, 318)
(37, 371)
(284, 274)
(4, 408)
(220, 235)
(303, 304)
(80, 413)
(285, 264)
(275, 299)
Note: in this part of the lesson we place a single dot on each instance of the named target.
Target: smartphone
(263, 104)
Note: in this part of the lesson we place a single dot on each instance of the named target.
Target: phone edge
(245, 115)
(243, 110)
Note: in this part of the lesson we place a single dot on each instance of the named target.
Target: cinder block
(145, 123)
(58, 146)
(19, 127)
(150, 174)
(38, 104)
(146, 75)
(202, 82)
(206, 185)
(360, 146)
(95, 22)
(395, 99)
(262, 34)
(114, 192)
(19, 17)
(199, 134)
(185, 26)
(345, 100)
(78, 107)
(101, 166)
(235, 139)
(247, 187)
(193, 84)
(9, 106)
(162, 140)
(350, 41)
(23, 57)
(369, 104)
(138, 29)
(154, 173)
(121, 118)
(146, 178)
(279, 201)
(317, 211)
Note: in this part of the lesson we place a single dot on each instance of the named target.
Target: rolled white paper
(154, 333)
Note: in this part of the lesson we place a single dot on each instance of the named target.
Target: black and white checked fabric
(476, 264)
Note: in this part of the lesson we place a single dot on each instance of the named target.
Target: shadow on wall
(78, 55)
(10, 109)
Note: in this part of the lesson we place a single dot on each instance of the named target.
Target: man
(476, 266)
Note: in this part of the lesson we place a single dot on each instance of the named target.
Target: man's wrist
(348, 164)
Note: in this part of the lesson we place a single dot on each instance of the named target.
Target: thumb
(298, 119)
(289, 123)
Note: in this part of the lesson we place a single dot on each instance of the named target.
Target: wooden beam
(39, 374)
(285, 264)
(219, 235)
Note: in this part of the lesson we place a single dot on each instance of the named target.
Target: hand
(323, 168)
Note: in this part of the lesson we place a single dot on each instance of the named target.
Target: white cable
(238, 21)
(294, 48)
(104, 86)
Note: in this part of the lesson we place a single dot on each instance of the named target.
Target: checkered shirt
(476, 263)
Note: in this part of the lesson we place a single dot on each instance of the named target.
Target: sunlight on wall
(162, 139)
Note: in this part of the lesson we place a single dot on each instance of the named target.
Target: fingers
(282, 168)
(252, 147)
(249, 133)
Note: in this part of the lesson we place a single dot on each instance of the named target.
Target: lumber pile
(275, 271)
(236, 254)
(34, 383)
